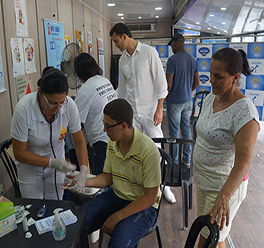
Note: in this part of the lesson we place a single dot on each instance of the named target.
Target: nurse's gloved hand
(61, 165)
(80, 180)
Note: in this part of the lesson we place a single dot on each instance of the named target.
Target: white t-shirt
(214, 151)
(29, 125)
(142, 80)
(91, 100)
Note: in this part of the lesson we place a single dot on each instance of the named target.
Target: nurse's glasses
(54, 104)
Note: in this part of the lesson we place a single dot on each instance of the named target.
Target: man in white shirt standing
(142, 83)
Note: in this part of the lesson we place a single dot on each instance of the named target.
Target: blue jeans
(128, 231)
(97, 155)
(179, 118)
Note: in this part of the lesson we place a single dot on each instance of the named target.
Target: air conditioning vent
(143, 27)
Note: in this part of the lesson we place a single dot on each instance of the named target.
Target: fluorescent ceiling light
(211, 15)
(218, 32)
(223, 23)
(223, 8)
(120, 14)
(111, 4)
(139, 17)
(209, 28)
(157, 16)
(122, 17)
(197, 22)
(158, 8)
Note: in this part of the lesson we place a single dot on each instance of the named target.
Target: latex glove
(80, 179)
(61, 165)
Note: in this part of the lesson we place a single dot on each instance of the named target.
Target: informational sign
(79, 39)
(17, 56)
(90, 43)
(251, 86)
(2, 83)
(67, 40)
(23, 87)
(21, 18)
(100, 51)
(29, 54)
(54, 37)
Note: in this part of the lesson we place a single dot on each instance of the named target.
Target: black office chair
(198, 224)
(166, 166)
(10, 165)
(181, 175)
(200, 95)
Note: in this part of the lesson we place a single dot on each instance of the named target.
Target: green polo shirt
(138, 169)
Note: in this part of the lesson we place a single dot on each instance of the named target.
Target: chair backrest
(199, 95)
(10, 165)
(166, 162)
(198, 224)
(176, 176)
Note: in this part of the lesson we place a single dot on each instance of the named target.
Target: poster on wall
(2, 83)
(17, 56)
(29, 54)
(100, 51)
(67, 40)
(54, 37)
(23, 87)
(79, 39)
(21, 18)
(90, 43)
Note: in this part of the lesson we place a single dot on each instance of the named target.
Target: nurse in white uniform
(38, 131)
(91, 99)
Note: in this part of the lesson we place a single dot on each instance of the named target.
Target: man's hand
(110, 223)
(61, 165)
(158, 116)
(80, 179)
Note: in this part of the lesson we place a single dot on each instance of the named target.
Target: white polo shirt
(91, 100)
(142, 80)
(29, 125)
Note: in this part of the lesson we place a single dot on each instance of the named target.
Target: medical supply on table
(25, 224)
(58, 226)
(41, 213)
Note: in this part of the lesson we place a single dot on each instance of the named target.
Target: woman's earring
(234, 82)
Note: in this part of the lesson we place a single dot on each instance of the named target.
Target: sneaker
(168, 195)
(186, 164)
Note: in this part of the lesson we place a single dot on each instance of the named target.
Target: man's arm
(121, 92)
(158, 115)
(169, 78)
(196, 81)
(143, 202)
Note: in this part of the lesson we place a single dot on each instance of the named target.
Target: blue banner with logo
(54, 37)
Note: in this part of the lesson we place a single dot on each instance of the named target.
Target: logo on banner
(204, 51)
(255, 81)
(204, 78)
(257, 50)
(204, 65)
(189, 49)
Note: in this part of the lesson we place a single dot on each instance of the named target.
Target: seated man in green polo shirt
(132, 169)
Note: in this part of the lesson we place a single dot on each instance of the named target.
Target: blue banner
(54, 37)
(203, 64)
(191, 49)
(163, 51)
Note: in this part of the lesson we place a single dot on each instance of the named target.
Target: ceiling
(222, 17)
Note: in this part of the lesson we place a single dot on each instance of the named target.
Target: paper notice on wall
(17, 56)
(21, 18)
(29, 53)
(2, 84)
(100, 50)
(23, 87)
(90, 43)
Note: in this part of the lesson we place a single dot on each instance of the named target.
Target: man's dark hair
(85, 66)
(120, 111)
(53, 81)
(120, 29)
